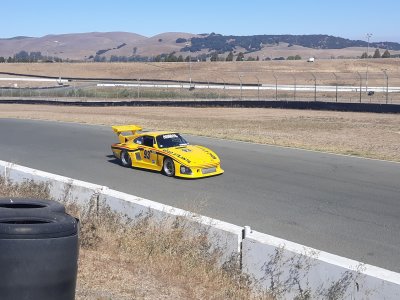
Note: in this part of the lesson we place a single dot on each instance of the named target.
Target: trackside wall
(282, 266)
(326, 275)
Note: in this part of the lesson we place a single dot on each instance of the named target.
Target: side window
(148, 141)
(139, 140)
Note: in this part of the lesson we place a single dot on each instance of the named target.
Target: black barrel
(38, 255)
(22, 204)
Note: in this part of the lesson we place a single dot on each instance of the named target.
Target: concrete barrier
(283, 267)
(292, 269)
(221, 234)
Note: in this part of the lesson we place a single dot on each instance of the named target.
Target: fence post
(359, 75)
(315, 87)
(336, 80)
(387, 86)
(276, 86)
(138, 88)
(295, 85)
(258, 88)
(240, 79)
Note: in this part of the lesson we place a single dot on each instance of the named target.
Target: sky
(349, 19)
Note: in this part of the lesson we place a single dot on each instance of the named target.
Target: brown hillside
(81, 46)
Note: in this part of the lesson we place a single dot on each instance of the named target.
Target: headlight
(186, 170)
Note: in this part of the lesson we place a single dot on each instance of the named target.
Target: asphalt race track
(344, 205)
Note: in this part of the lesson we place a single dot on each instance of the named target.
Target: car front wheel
(169, 167)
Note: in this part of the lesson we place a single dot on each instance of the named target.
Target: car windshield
(171, 140)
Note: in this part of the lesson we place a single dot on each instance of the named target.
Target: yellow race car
(162, 151)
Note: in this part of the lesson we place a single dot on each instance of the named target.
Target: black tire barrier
(22, 205)
(39, 252)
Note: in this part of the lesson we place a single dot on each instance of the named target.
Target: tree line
(377, 54)
(25, 57)
(223, 43)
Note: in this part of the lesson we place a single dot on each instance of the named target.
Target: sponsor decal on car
(169, 136)
(177, 155)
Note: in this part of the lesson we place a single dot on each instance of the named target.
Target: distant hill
(105, 45)
(223, 43)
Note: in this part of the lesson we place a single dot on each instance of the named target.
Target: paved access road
(345, 205)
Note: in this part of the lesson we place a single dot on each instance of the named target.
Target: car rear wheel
(169, 167)
(126, 159)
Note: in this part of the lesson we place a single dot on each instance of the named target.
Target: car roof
(157, 133)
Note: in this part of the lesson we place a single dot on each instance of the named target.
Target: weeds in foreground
(166, 250)
(26, 189)
(141, 258)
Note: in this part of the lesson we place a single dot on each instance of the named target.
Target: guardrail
(275, 264)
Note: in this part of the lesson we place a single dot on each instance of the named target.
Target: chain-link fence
(379, 87)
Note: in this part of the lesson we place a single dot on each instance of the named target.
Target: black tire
(168, 167)
(37, 225)
(126, 159)
(39, 255)
(27, 206)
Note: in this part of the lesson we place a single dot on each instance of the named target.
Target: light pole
(190, 67)
(366, 79)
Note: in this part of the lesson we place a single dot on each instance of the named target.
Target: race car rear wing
(119, 129)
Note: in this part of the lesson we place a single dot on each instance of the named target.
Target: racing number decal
(147, 154)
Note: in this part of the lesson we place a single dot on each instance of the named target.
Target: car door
(148, 153)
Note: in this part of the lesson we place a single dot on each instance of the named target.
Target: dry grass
(142, 259)
(362, 134)
(27, 189)
(224, 71)
(349, 72)
(150, 260)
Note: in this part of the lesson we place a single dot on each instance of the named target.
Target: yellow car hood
(192, 155)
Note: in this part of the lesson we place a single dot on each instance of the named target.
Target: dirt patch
(362, 134)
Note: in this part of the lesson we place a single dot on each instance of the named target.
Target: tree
(240, 56)
(214, 56)
(181, 40)
(171, 57)
(377, 54)
(386, 54)
(180, 58)
(2, 59)
(22, 56)
(297, 57)
(229, 57)
(364, 55)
